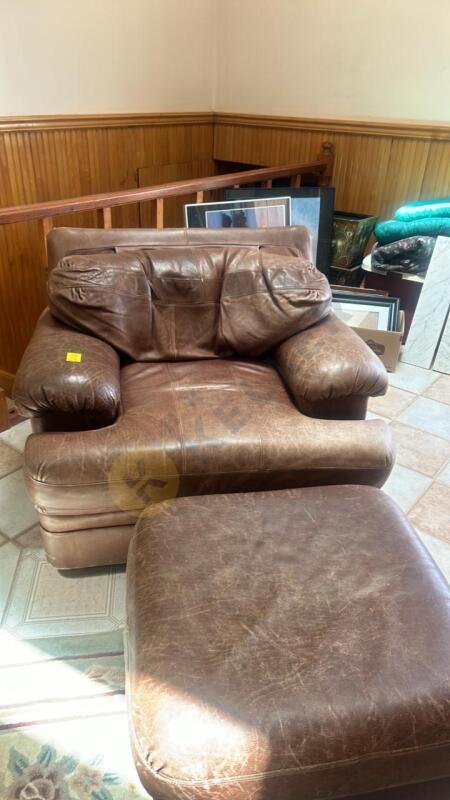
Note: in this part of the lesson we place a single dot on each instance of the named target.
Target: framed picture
(312, 206)
(376, 312)
(259, 213)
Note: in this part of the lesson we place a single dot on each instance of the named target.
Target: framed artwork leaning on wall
(312, 206)
(239, 213)
(377, 312)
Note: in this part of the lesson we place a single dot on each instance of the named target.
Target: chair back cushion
(172, 304)
(266, 298)
(292, 240)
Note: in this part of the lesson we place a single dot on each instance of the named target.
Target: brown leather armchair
(166, 366)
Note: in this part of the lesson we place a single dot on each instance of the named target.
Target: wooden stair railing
(322, 168)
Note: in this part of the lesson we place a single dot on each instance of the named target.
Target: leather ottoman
(287, 645)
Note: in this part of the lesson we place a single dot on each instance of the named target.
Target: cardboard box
(386, 344)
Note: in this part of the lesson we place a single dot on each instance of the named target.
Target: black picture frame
(392, 303)
(325, 229)
(196, 214)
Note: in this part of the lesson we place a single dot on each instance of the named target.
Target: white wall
(101, 56)
(319, 58)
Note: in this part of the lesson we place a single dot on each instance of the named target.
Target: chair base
(94, 547)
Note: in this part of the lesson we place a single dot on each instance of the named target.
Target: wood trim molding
(405, 129)
(77, 121)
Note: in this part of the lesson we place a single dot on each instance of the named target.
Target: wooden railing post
(296, 181)
(104, 217)
(199, 197)
(326, 155)
(160, 213)
(46, 225)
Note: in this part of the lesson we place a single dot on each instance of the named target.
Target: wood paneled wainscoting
(52, 158)
(378, 164)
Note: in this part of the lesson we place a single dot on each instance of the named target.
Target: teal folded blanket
(393, 230)
(423, 208)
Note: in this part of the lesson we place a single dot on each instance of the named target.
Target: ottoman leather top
(288, 644)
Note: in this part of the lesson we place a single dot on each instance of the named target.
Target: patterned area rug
(63, 723)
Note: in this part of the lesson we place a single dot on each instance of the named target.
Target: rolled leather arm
(62, 393)
(330, 370)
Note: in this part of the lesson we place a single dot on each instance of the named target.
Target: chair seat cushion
(289, 644)
(197, 428)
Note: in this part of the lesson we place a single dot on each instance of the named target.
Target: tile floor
(61, 633)
(417, 407)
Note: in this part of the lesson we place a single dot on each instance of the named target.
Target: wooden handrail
(45, 211)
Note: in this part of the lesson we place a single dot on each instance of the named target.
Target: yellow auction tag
(76, 357)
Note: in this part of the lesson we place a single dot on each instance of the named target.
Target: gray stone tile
(405, 486)
(30, 538)
(428, 415)
(17, 435)
(419, 450)
(440, 389)
(9, 558)
(392, 403)
(431, 311)
(10, 459)
(17, 513)
(431, 512)
(444, 475)
(439, 550)
(442, 359)
(411, 378)
(371, 415)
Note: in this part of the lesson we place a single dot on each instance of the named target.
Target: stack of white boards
(428, 343)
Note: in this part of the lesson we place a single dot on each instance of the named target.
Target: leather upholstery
(85, 393)
(294, 241)
(267, 297)
(326, 363)
(107, 296)
(183, 416)
(190, 428)
(153, 305)
(305, 652)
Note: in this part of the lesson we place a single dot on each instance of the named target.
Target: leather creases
(211, 302)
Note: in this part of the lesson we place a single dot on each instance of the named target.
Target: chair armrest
(66, 394)
(330, 370)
